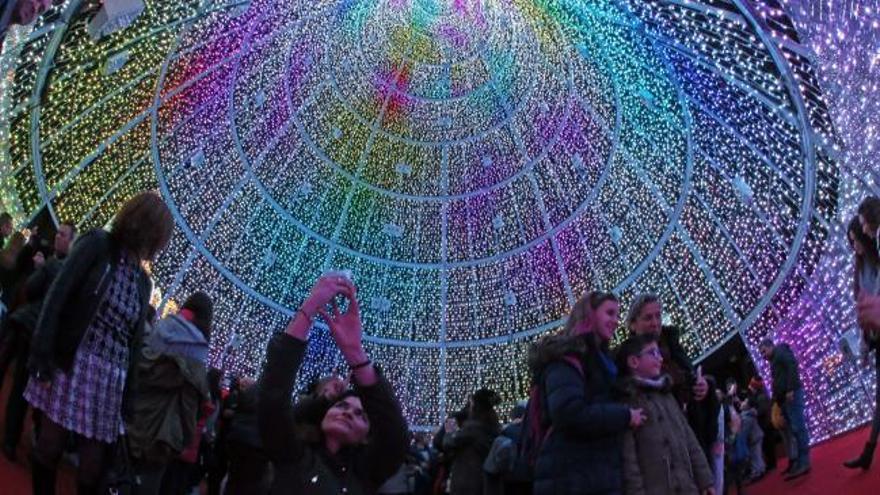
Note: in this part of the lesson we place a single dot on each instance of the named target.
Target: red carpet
(828, 476)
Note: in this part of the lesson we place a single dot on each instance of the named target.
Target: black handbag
(119, 479)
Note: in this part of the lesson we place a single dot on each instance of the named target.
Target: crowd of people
(129, 396)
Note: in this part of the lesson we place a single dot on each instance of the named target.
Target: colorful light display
(477, 165)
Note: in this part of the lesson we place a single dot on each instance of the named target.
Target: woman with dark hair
(583, 452)
(362, 438)
(468, 446)
(866, 283)
(869, 218)
(866, 275)
(89, 330)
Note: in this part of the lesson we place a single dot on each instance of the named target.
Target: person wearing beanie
(172, 388)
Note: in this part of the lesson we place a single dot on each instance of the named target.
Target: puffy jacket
(662, 456)
(170, 390)
(583, 454)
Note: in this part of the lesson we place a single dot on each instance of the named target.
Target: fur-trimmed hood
(630, 386)
(555, 347)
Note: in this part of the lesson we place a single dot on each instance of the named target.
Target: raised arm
(283, 359)
(386, 450)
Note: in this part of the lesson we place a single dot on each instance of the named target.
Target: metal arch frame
(674, 213)
(413, 344)
(45, 68)
(198, 244)
(809, 153)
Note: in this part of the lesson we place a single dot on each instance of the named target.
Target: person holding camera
(363, 436)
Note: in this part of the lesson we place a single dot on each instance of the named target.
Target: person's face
(649, 320)
(766, 351)
(26, 11)
(6, 229)
(856, 245)
(246, 382)
(646, 364)
(867, 228)
(346, 421)
(333, 388)
(607, 317)
(63, 238)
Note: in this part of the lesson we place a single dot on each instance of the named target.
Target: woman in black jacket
(468, 446)
(583, 452)
(90, 328)
(363, 436)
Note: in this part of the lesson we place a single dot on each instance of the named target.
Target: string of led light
(476, 164)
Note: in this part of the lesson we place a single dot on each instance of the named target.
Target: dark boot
(85, 489)
(43, 479)
(863, 461)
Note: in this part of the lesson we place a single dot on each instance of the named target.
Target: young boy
(663, 455)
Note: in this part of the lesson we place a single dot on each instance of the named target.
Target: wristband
(307, 317)
(361, 365)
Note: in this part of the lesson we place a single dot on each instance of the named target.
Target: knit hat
(202, 308)
(486, 398)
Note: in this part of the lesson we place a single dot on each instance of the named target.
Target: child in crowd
(663, 455)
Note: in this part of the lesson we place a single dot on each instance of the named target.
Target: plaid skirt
(87, 401)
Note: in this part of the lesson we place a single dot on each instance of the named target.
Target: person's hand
(324, 290)
(346, 328)
(39, 260)
(868, 309)
(709, 491)
(636, 418)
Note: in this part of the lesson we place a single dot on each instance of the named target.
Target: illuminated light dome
(477, 165)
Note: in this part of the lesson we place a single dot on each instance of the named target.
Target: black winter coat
(583, 453)
(72, 303)
(36, 287)
(786, 377)
(307, 468)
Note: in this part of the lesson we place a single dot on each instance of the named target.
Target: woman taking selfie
(363, 436)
